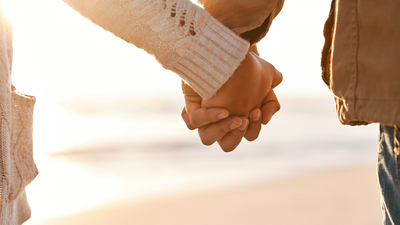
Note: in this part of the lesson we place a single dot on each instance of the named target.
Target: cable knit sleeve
(180, 35)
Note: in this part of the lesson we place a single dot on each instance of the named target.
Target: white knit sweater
(180, 35)
(17, 168)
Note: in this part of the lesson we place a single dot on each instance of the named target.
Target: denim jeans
(389, 173)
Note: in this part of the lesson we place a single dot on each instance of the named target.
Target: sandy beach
(111, 147)
(339, 196)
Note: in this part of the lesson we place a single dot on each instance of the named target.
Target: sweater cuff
(192, 44)
(211, 59)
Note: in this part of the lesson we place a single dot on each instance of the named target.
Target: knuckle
(196, 122)
(190, 126)
(224, 129)
(186, 119)
(210, 116)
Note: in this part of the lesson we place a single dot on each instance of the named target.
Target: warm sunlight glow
(8, 7)
(107, 125)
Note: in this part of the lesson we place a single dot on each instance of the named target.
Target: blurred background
(108, 136)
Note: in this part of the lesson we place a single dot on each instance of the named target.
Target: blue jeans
(389, 173)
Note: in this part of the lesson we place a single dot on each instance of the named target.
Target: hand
(245, 91)
(224, 130)
(214, 123)
(247, 88)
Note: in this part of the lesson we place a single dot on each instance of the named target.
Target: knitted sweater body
(180, 35)
(17, 168)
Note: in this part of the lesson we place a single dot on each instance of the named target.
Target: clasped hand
(239, 107)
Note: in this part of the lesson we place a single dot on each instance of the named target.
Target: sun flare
(9, 9)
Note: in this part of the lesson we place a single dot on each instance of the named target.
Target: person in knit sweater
(180, 35)
(16, 157)
(207, 55)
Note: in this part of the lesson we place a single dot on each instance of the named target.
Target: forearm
(181, 36)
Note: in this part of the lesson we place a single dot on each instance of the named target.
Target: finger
(254, 128)
(254, 49)
(277, 78)
(186, 119)
(213, 132)
(187, 90)
(232, 139)
(270, 107)
(200, 116)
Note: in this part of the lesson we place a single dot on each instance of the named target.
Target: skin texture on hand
(248, 102)
(247, 88)
(244, 92)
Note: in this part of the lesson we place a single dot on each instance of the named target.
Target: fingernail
(222, 115)
(235, 125)
(245, 122)
(256, 115)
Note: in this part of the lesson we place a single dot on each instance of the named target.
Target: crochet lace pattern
(180, 35)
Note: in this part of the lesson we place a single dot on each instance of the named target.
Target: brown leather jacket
(360, 59)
